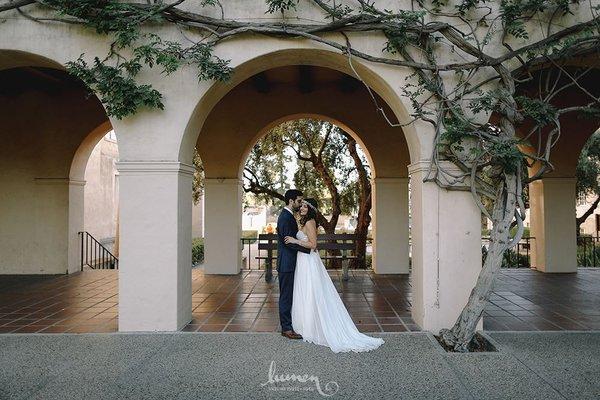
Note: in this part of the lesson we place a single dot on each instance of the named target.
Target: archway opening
(327, 164)
(52, 130)
(236, 123)
(540, 284)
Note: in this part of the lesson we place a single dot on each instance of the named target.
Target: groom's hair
(291, 194)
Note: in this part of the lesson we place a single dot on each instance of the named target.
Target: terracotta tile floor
(529, 300)
(87, 302)
(84, 302)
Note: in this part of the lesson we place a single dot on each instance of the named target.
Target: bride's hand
(289, 239)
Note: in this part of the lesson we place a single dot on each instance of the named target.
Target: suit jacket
(286, 253)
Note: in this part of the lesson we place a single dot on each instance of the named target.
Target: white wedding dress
(318, 313)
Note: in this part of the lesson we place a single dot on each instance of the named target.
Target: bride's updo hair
(312, 212)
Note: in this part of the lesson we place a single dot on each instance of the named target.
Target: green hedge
(587, 254)
(510, 259)
(197, 251)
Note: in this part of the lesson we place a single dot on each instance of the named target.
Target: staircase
(94, 255)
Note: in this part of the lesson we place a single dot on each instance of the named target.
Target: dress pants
(286, 292)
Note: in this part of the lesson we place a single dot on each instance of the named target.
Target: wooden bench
(344, 243)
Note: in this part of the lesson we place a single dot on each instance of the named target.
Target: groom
(286, 260)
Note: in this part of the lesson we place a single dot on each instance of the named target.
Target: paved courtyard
(523, 300)
(409, 365)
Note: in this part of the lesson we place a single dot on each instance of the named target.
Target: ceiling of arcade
(247, 112)
(52, 82)
(46, 114)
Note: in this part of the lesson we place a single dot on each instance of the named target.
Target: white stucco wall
(101, 201)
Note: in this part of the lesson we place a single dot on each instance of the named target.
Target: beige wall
(101, 192)
(101, 195)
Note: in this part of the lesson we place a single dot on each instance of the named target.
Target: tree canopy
(302, 144)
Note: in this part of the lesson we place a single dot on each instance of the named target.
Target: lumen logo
(277, 381)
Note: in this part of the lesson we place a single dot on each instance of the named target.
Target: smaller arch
(266, 129)
(83, 152)
(575, 129)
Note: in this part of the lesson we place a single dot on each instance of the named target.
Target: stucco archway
(253, 107)
(268, 59)
(552, 199)
(47, 116)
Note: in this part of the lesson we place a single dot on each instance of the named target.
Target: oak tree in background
(198, 181)
(330, 167)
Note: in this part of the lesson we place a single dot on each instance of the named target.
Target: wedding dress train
(318, 313)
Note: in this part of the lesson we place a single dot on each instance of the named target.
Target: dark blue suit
(286, 266)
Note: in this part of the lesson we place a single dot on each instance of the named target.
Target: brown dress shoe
(291, 335)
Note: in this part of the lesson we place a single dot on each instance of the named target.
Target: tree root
(451, 340)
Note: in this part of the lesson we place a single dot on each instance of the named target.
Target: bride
(318, 313)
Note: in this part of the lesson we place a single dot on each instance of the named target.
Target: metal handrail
(587, 251)
(519, 256)
(94, 254)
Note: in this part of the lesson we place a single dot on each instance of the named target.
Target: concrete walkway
(529, 365)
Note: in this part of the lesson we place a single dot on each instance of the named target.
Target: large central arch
(155, 177)
(248, 111)
(274, 58)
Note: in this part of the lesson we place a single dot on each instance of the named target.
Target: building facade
(45, 166)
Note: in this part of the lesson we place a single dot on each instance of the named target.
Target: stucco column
(446, 251)
(553, 225)
(155, 211)
(222, 226)
(390, 225)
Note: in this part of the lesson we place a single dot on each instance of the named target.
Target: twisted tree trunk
(463, 330)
